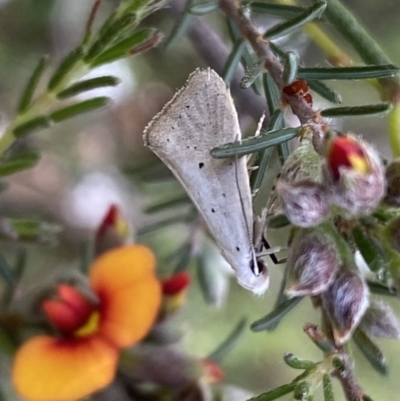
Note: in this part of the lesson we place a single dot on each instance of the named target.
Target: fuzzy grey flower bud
(354, 175)
(345, 303)
(392, 173)
(312, 262)
(302, 165)
(380, 321)
(304, 203)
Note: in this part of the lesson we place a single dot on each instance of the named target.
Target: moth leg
(271, 252)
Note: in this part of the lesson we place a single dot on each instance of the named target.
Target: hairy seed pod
(392, 174)
(304, 203)
(345, 302)
(303, 165)
(312, 263)
(380, 321)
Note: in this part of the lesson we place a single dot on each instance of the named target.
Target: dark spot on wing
(188, 106)
(213, 210)
(172, 127)
(167, 139)
(238, 249)
(224, 195)
(201, 165)
(195, 147)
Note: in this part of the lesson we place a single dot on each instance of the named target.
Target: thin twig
(351, 388)
(302, 109)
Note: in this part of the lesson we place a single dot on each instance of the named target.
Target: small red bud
(69, 310)
(113, 230)
(110, 220)
(213, 372)
(346, 152)
(175, 284)
(354, 175)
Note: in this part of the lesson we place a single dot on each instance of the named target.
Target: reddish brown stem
(91, 18)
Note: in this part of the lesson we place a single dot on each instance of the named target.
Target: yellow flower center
(359, 163)
(90, 327)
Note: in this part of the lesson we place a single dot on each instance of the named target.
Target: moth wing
(200, 117)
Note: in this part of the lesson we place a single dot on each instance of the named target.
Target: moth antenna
(255, 269)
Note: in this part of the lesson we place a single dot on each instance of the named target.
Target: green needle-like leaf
(180, 29)
(123, 47)
(302, 391)
(275, 393)
(276, 315)
(290, 67)
(251, 74)
(370, 250)
(276, 10)
(29, 91)
(347, 73)
(278, 221)
(79, 108)
(325, 91)
(233, 30)
(165, 223)
(233, 60)
(185, 259)
(6, 272)
(350, 28)
(203, 7)
(108, 34)
(371, 351)
(380, 289)
(87, 85)
(207, 279)
(367, 110)
(366, 397)
(17, 271)
(272, 93)
(229, 343)
(88, 252)
(290, 26)
(327, 388)
(298, 363)
(254, 144)
(18, 162)
(29, 231)
(35, 124)
(65, 67)
(257, 176)
(167, 203)
(283, 152)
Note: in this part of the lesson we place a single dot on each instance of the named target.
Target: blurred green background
(92, 161)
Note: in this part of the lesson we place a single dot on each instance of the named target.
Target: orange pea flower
(84, 357)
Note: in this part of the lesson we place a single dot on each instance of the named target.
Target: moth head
(254, 277)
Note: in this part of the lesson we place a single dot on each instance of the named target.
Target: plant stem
(273, 65)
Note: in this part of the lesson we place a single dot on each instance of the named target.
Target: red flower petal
(346, 151)
(176, 283)
(49, 369)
